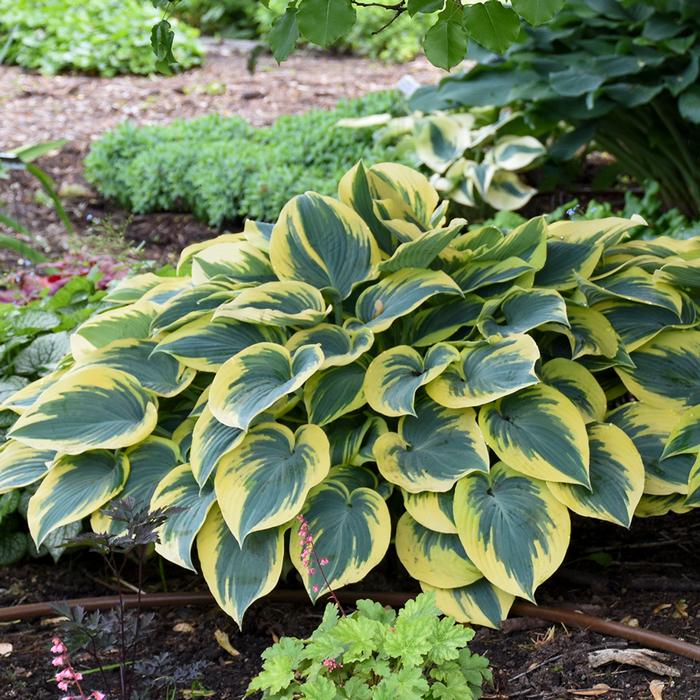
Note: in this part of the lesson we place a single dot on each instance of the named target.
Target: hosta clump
(375, 653)
(364, 345)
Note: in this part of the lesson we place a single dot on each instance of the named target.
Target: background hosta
(389, 374)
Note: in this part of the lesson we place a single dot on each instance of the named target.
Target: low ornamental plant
(67, 678)
(372, 652)
(393, 377)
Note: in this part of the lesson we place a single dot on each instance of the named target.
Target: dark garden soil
(649, 576)
(80, 108)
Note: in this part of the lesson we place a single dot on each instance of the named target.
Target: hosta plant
(473, 157)
(389, 375)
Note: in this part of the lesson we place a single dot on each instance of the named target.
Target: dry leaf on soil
(598, 690)
(656, 688)
(224, 642)
(5, 648)
(643, 658)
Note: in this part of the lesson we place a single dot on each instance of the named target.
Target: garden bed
(650, 579)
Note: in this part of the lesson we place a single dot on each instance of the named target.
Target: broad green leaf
(689, 104)
(263, 482)
(255, 378)
(322, 242)
(445, 43)
(667, 370)
(26, 396)
(400, 293)
(433, 325)
(432, 509)
(492, 25)
(350, 529)
(512, 528)
(540, 433)
(352, 440)
(235, 261)
(685, 436)
(440, 139)
(75, 486)
(88, 408)
(578, 385)
(282, 304)
(508, 192)
(206, 343)
(178, 489)
(190, 304)
(649, 427)
(480, 603)
(155, 371)
(21, 465)
(131, 289)
(339, 345)
(487, 371)
(335, 391)
(617, 478)
(432, 450)
(432, 557)
(284, 34)
(394, 376)
(236, 575)
(537, 11)
(516, 152)
(325, 21)
(42, 355)
(211, 441)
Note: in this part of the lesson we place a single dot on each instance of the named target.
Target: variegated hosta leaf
(685, 436)
(205, 344)
(75, 486)
(578, 385)
(353, 477)
(521, 311)
(632, 284)
(487, 371)
(433, 557)
(590, 332)
(515, 152)
(323, 242)
(432, 450)
(182, 437)
(178, 489)
(255, 378)
(264, 481)
(431, 326)
(21, 465)
(161, 295)
(127, 322)
(636, 324)
(282, 304)
(211, 441)
(667, 370)
(89, 408)
(352, 441)
(339, 345)
(394, 376)
(655, 506)
(422, 251)
(432, 509)
(258, 233)
(400, 293)
(649, 428)
(131, 289)
(607, 231)
(684, 275)
(617, 478)
(567, 261)
(692, 499)
(236, 575)
(150, 461)
(350, 529)
(512, 528)
(528, 242)
(477, 275)
(508, 192)
(236, 261)
(333, 392)
(480, 603)
(439, 140)
(158, 372)
(184, 264)
(189, 305)
(540, 433)
(29, 394)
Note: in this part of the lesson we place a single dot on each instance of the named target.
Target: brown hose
(648, 638)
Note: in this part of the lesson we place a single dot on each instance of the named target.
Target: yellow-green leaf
(21, 465)
(432, 509)
(578, 385)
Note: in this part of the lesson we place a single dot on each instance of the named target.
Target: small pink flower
(315, 588)
(63, 685)
(324, 562)
(57, 661)
(98, 695)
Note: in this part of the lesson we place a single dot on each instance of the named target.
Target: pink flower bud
(324, 562)
(315, 588)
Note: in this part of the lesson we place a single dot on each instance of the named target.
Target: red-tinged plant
(68, 678)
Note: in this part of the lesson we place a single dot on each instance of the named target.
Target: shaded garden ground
(648, 577)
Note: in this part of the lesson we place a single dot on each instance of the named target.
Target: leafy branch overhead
(491, 24)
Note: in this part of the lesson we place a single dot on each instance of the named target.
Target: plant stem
(331, 592)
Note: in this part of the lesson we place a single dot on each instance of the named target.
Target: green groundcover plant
(619, 74)
(219, 167)
(106, 37)
(389, 375)
(376, 653)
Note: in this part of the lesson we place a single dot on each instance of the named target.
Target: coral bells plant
(68, 679)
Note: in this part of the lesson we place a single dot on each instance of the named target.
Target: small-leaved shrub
(222, 169)
(376, 653)
(106, 37)
(362, 346)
